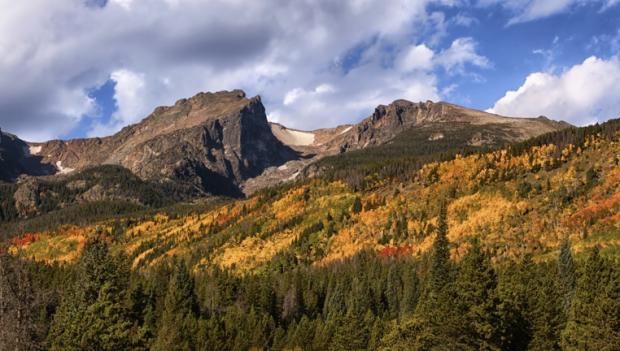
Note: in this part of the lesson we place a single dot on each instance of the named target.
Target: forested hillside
(508, 249)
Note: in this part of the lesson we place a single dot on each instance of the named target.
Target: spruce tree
(594, 318)
(566, 275)
(350, 334)
(477, 301)
(357, 205)
(102, 281)
(441, 270)
(433, 325)
(545, 312)
(106, 324)
(178, 321)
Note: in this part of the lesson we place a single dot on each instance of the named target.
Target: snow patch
(34, 150)
(301, 138)
(292, 137)
(63, 170)
(346, 130)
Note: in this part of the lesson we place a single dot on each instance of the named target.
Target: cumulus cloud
(417, 57)
(585, 93)
(295, 54)
(461, 52)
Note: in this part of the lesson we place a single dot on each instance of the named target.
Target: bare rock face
(16, 159)
(26, 197)
(213, 141)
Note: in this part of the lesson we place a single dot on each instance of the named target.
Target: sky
(85, 68)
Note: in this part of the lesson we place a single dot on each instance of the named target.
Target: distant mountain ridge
(221, 143)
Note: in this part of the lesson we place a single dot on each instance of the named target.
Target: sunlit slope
(524, 199)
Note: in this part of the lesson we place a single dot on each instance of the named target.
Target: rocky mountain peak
(213, 141)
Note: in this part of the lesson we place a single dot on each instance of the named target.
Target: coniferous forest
(366, 302)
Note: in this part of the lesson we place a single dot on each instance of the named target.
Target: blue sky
(83, 68)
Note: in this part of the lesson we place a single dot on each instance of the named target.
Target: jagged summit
(222, 143)
(212, 140)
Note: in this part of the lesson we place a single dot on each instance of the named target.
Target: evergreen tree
(594, 318)
(441, 270)
(566, 275)
(357, 205)
(545, 313)
(106, 324)
(477, 301)
(350, 334)
(434, 324)
(515, 292)
(178, 321)
(100, 286)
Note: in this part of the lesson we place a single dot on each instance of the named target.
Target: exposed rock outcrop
(214, 141)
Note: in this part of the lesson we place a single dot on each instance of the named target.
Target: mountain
(389, 121)
(524, 198)
(222, 144)
(521, 241)
(213, 141)
(394, 132)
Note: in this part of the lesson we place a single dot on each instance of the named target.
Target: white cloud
(159, 51)
(585, 93)
(530, 10)
(460, 53)
(417, 57)
(163, 50)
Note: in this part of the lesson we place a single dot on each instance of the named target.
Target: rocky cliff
(213, 141)
(16, 159)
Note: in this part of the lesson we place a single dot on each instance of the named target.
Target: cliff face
(213, 140)
(16, 159)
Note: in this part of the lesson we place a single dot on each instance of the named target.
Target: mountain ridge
(222, 143)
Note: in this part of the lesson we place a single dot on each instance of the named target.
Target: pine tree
(350, 334)
(410, 293)
(106, 324)
(74, 323)
(477, 301)
(545, 313)
(514, 291)
(566, 275)
(433, 325)
(357, 205)
(594, 318)
(441, 270)
(177, 326)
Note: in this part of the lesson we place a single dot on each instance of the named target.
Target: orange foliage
(396, 251)
(25, 239)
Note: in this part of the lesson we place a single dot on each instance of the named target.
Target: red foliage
(222, 219)
(25, 239)
(396, 251)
